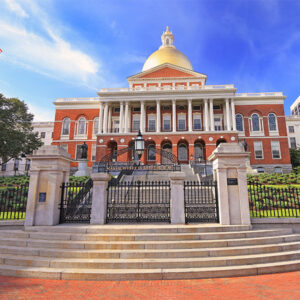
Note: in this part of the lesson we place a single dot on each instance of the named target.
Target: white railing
(77, 99)
(258, 94)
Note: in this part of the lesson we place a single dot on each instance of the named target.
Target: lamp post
(139, 145)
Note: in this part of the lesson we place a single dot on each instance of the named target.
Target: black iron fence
(131, 202)
(76, 202)
(273, 202)
(201, 202)
(13, 202)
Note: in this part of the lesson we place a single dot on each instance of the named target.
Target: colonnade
(208, 122)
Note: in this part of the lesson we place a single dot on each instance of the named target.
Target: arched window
(182, 152)
(81, 126)
(272, 122)
(198, 151)
(96, 125)
(239, 122)
(66, 126)
(255, 122)
(151, 154)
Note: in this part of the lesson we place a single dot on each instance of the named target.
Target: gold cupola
(167, 53)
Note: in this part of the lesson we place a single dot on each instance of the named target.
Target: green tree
(295, 157)
(17, 138)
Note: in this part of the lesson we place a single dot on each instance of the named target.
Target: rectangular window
(166, 122)
(78, 151)
(216, 107)
(293, 142)
(116, 126)
(218, 124)
(136, 123)
(136, 109)
(16, 165)
(94, 152)
(196, 107)
(3, 167)
(116, 109)
(43, 135)
(258, 150)
(181, 122)
(151, 123)
(27, 165)
(197, 122)
(275, 145)
(291, 129)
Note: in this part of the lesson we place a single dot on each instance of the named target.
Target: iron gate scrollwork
(201, 202)
(138, 201)
(76, 202)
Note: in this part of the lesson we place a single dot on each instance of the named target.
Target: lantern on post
(139, 145)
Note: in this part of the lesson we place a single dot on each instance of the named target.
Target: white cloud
(16, 8)
(40, 114)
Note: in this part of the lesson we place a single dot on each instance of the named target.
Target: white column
(228, 114)
(233, 114)
(206, 115)
(109, 118)
(126, 118)
(121, 127)
(158, 125)
(174, 115)
(100, 127)
(105, 118)
(142, 117)
(190, 115)
(211, 114)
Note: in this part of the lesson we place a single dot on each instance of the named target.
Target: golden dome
(167, 53)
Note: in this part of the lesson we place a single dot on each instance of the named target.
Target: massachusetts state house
(176, 111)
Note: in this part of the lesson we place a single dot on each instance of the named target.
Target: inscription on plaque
(42, 197)
(232, 181)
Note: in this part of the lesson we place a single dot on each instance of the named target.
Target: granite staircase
(141, 252)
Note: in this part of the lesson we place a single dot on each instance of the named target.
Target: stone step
(150, 253)
(153, 263)
(149, 274)
(147, 236)
(171, 244)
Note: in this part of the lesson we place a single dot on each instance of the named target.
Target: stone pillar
(105, 118)
(228, 115)
(158, 117)
(109, 118)
(229, 165)
(99, 201)
(142, 119)
(190, 115)
(126, 118)
(233, 114)
(174, 115)
(206, 115)
(100, 127)
(121, 127)
(211, 114)
(50, 167)
(177, 197)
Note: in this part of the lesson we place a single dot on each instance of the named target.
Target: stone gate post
(50, 167)
(229, 167)
(99, 201)
(177, 198)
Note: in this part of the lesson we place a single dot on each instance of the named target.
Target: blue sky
(72, 48)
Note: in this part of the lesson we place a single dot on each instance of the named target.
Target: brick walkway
(276, 286)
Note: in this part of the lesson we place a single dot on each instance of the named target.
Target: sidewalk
(276, 286)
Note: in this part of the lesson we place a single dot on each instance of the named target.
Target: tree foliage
(295, 157)
(17, 138)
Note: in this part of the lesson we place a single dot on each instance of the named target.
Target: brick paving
(275, 286)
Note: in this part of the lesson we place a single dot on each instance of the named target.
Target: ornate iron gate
(201, 202)
(131, 202)
(76, 202)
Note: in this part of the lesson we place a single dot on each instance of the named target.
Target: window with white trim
(218, 123)
(136, 123)
(291, 129)
(151, 154)
(258, 150)
(272, 122)
(81, 126)
(293, 144)
(255, 122)
(66, 126)
(78, 151)
(166, 122)
(94, 152)
(151, 122)
(96, 125)
(239, 122)
(115, 125)
(197, 122)
(181, 122)
(275, 146)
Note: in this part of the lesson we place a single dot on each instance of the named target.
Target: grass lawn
(12, 215)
